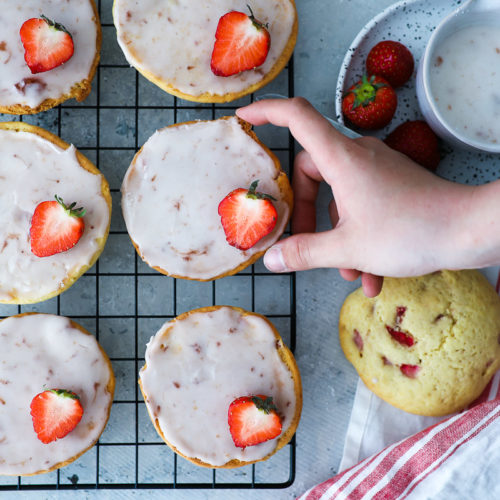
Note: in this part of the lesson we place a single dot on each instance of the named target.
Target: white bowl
(482, 12)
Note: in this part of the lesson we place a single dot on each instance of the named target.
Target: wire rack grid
(125, 302)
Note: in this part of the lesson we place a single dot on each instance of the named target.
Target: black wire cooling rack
(125, 302)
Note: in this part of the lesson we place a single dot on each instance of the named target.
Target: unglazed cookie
(428, 345)
(38, 352)
(197, 364)
(174, 185)
(187, 28)
(35, 165)
(22, 92)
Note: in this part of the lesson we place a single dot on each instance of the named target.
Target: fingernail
(273, 260)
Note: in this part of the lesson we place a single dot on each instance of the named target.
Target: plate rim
(346, 61)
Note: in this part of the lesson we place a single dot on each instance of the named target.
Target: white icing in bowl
(465, 82)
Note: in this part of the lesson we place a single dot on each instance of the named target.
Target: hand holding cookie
(389, 216)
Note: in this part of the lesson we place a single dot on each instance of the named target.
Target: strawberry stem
(252, 193)
(53, 24)
(71, 210)
(256, 23)
(366, 91)
(64, 393)
(265, 405)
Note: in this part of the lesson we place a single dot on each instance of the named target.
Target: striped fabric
(396, 471)
(399, 469)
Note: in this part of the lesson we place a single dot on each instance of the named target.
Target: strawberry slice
(247, 216)
(253, 420)
(400, 314)
(47, 44)
(386, 361)
(55, 413)
(403, 338)
(241, 43)
(358, 340)
(410, 371)
(55, 227)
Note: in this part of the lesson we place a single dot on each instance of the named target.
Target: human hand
(390, 217)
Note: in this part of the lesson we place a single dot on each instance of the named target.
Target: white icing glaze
(203, 363)
(77, 16)
(187, 28)
(33, 170)
(172, 191)
(39, 352)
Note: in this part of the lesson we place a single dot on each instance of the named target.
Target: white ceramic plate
(411, 22)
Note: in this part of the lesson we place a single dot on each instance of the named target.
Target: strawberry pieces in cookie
(253, 420)
(47, 44)
(241, 43)
(399, 336)
(247, 216)
(410, 371)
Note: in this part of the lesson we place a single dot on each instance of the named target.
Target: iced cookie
(198, 364)
(35, 166)
(428, 345)
(24, 92)
(39, 352)
(173, 188)
(188, 28)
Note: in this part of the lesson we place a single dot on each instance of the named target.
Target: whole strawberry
(370, 103)
(416, 140)
(391, 60)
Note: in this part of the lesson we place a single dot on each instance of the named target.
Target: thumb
(308, 251)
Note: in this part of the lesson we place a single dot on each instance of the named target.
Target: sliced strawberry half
(55, 413)
(47, 44)
(253, 420)
(247, 216)
(241, 43)
(55, 227)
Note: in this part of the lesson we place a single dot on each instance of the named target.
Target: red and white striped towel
(457, 458)
(451, 459)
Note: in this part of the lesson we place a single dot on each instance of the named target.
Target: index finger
(307, 125)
